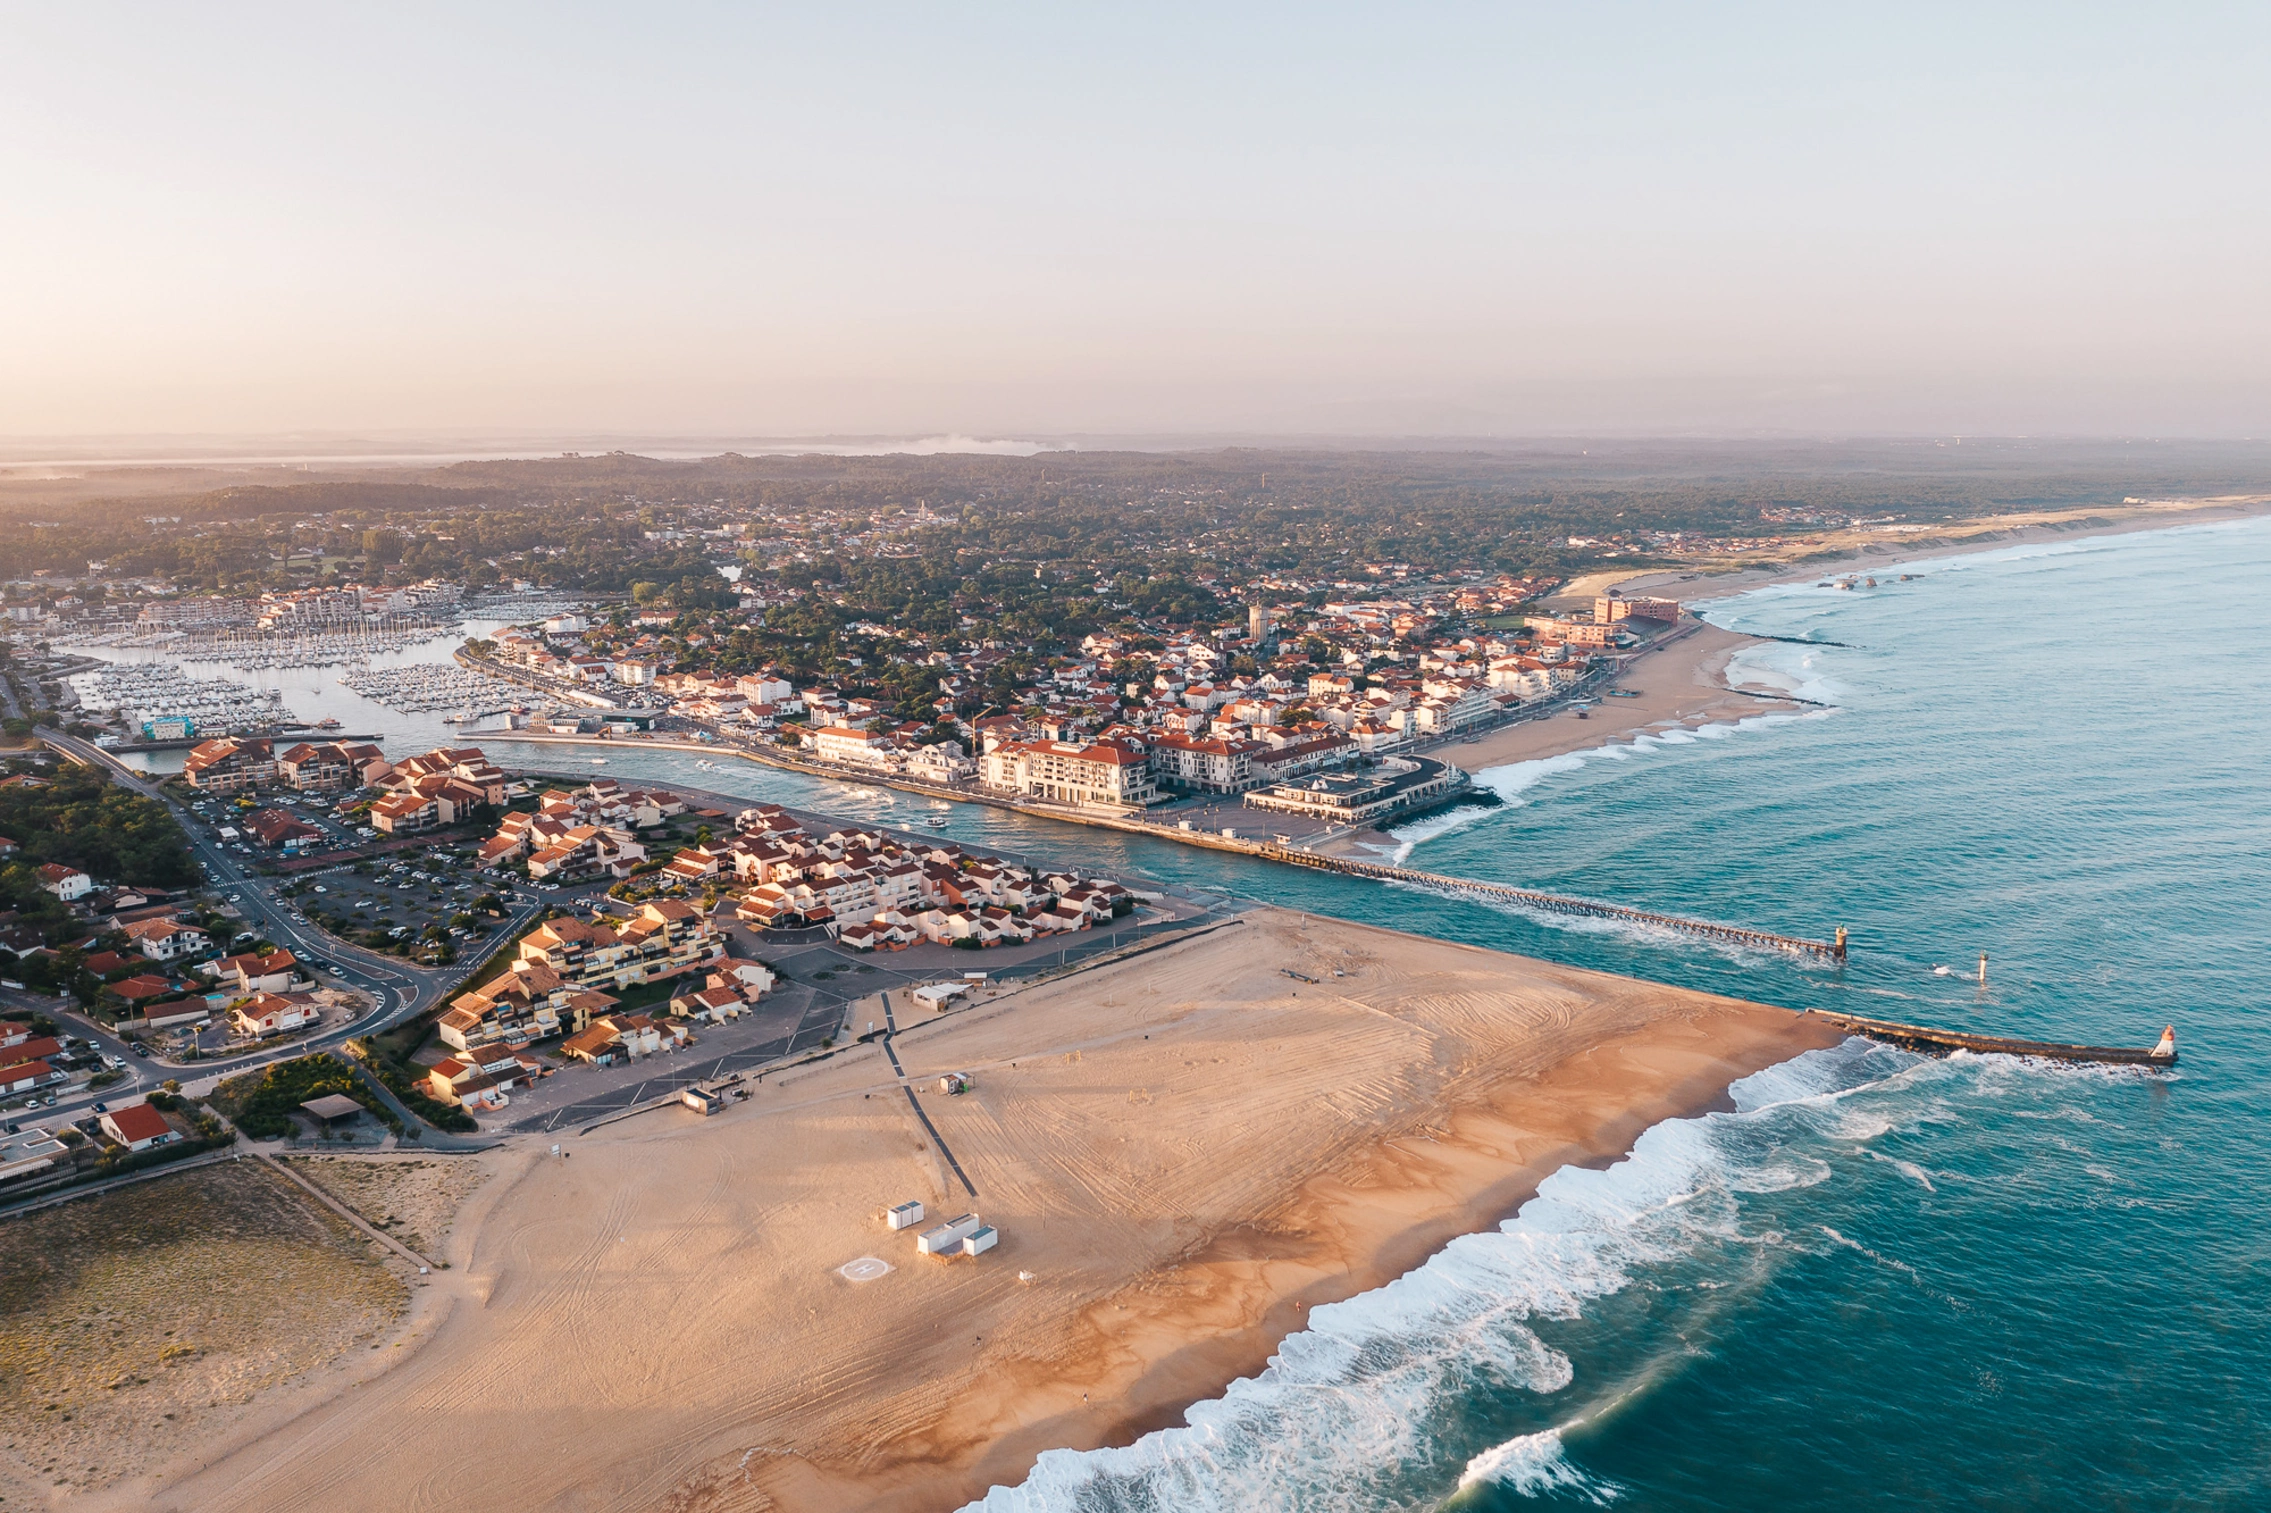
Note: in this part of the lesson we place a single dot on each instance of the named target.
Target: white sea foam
(1346, 1414)
(1514, 780)
(1533, 1464)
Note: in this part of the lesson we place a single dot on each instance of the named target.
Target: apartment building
(1115, 772)
(230, 766)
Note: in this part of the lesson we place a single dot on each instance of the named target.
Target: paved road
(398, 990)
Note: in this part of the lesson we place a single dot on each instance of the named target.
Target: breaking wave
(1358, 1410)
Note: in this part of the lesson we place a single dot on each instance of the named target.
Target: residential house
(25, 1076)
(283, 831)
(167, 939)
(66, 883)
(139, 1127)
(272, 1014)
(254, 972)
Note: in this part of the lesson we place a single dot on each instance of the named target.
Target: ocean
(1882, 1281)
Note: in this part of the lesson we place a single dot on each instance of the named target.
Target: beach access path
(1183, 1152)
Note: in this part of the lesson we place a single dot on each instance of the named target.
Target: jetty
(1555, 903)
(1912, 1037)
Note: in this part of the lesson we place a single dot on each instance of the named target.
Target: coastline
(1685, 685)
(1987, 534)
(1183, 1154)
(1680, 686)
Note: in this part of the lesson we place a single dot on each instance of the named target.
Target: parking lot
(389, 902)
(219, 814)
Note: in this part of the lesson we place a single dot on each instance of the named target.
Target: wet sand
(1183, 1153)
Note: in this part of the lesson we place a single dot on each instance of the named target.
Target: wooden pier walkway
(1939, 1042)
(1554, 903)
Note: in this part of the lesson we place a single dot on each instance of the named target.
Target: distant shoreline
(2118, 520)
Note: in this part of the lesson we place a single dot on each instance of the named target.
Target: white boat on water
(936, 822)
(599, 761)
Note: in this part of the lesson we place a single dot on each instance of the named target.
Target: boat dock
(1913, 1037)
(1555, 903)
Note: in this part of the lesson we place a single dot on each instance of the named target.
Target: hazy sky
(1498, 219)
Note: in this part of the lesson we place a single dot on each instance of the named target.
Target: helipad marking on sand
(865, 1269)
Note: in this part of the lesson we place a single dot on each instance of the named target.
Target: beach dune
(1182, 1152)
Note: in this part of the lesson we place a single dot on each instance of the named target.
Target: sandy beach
(1852, 553)
(1183, 1153)
(1683, 684)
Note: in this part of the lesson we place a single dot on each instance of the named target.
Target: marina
(248, 648)
(158, 696)
(424, 687)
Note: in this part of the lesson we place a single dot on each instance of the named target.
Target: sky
(1003, 221)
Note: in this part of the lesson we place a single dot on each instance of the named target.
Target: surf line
(891, 1030)
(1555, 903)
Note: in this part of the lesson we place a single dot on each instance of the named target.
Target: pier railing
(1555, 903)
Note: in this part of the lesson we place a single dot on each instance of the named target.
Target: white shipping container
(948, 1236)
(979, 1240)
(906, 1216)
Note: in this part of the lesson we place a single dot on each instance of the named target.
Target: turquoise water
(1884, 1281)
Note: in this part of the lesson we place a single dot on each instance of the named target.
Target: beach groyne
(1915, 1037)
(1556, 903)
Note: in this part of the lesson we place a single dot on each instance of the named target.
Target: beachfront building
(1608, 608)
(467, 765)
(1113, 773)
(1396, 786)
(1204, 764)
(528, 1002)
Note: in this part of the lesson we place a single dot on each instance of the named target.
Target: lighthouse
(2166, 1050)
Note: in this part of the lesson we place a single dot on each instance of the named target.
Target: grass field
(131, 1323)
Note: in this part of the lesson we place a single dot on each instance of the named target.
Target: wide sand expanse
(1183, 1152)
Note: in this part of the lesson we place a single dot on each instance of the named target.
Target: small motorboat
(1942, 971)
(599, 761)
(936, 822)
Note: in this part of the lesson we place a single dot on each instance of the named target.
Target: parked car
(140, 1049)
(102, 1108)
